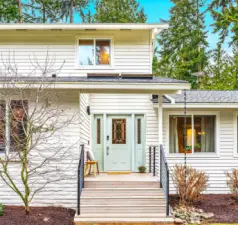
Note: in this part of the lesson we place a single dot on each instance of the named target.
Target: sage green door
(118, 143)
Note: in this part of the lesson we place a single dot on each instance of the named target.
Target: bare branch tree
(32, 125)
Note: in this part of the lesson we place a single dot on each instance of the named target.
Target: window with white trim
(94, 52)
(200, 133)
(13, 125)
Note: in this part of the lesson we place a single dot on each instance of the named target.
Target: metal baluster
(150, 159)
(154, 160)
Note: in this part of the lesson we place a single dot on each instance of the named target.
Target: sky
(159, 9)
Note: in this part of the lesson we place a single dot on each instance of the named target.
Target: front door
(118, 143)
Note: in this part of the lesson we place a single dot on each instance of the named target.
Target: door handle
(107, 150)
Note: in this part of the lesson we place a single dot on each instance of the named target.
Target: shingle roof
(86, 79)
(195, 96)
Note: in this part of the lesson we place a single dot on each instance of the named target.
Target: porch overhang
(155, 85)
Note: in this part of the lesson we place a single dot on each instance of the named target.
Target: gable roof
(203, 96)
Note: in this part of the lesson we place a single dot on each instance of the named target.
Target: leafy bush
(196, 183)
(232, 182)
(1, 210)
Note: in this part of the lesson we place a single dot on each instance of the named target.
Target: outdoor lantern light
(88, 110)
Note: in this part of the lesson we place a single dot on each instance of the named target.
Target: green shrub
(1, 210)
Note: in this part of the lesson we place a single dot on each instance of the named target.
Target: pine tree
(40, 11)
(183, 45)
(70, 7)
(221, 73)
(9, 11)
(119, 11)
(225, 15)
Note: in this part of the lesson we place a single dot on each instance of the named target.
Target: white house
(124, 111)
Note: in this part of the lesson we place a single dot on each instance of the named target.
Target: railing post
(160, 157)
(150, 159)
(154, 160)
(167, 191)
(83, 165)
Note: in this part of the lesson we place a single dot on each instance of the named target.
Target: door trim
(132, 116)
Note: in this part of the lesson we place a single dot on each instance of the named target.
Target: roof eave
(112, 26)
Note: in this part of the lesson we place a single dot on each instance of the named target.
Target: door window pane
(176, 134)
(138, 131)
(118, 131)
(204, 133)
(102, 52)
(98, 131)
(86, 55)
(2, 126)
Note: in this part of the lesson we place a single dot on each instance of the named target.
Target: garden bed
(14, 215)
(223, 207)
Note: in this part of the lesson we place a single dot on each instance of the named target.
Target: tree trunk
(71, 19)
(43, 13)
(19, 11)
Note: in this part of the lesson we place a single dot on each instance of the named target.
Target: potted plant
(188, 149)
(197, 147)
(1, 209)
(142, 169)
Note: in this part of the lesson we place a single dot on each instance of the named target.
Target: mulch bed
(14, 215)
(224, 207)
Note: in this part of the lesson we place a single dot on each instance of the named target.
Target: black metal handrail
(80, 175)
(164, 177)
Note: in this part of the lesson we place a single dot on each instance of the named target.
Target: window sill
(193, 155)
(94, 67)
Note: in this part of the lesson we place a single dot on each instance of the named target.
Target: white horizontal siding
(60, 193)
(132, 52)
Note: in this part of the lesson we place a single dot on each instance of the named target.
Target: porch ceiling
(155, 85)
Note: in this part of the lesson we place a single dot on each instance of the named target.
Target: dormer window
(94, 52)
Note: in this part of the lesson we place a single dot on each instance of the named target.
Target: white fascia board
(109, 87)
(199, 105)
(98, 26)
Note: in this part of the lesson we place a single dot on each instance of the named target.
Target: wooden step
(121, 184)
(119, 219)
(107, 192)
(128, 200)
(122, 209)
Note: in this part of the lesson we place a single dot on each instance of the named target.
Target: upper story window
(200, 132)
(94, 52)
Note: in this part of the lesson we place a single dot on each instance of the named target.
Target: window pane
(86, 55)
(204, 133)
(2, 126)
(18, 124)
(102, 52)
(138, 131)
(118, 131)
(176, 134)
(98, 131)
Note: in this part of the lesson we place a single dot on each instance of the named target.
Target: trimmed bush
(190, 190)
(1, 209)
(232, 182)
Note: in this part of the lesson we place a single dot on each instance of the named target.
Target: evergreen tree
(221, 73)
(9, 11)
(225, 14)
(70, 7)
(41, 11)
(119, 11)
(183, 45)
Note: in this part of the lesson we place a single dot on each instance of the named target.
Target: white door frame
(105, 115)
